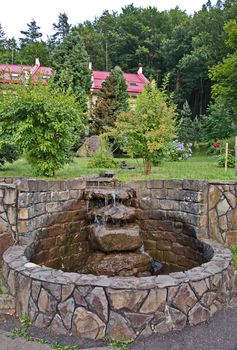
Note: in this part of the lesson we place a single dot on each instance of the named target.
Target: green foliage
(70, 63)
(32, 34)
(29, 52)
(234, 252)
(121, 344)
(21, 332)
(218, 122)
(25, 321)
(224, 75)
(112, 100)
(147, 128)
(103, 157)
(42, 120)
(185, 124)
(58, 346)
(230, 161)
(8, 152)
(62, 28)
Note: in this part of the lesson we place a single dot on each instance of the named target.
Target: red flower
(217, 144)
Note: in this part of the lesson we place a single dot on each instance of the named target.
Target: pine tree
(2, 37)
(70, 64)
(62, 28)
(31, 35)
(112, 100)
(185, 124)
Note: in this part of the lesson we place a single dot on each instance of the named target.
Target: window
(133, 84)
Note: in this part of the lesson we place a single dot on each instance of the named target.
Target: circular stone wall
(92, 306)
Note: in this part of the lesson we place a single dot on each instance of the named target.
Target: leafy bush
(230, 161)
(8, 153)
(42, 120)
(179, 151)
(103, 157)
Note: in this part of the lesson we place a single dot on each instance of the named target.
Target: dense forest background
(170, 45)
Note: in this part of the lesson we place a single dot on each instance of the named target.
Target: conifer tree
(112, 100)
(31, 35)
(185, 124)
(62, 28)
(70, 64)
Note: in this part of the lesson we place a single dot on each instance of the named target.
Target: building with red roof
(17, 73)
(135, 82)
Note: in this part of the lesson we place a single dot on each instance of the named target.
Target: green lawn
(197, 167)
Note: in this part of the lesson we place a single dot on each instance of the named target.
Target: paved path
(18, 343)
(219, 334)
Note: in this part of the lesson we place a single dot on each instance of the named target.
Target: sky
(15, 14)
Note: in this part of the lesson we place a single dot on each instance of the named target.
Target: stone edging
(90, 306)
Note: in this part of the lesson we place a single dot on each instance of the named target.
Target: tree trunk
(147, 166)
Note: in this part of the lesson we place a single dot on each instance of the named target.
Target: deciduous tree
(149, 127)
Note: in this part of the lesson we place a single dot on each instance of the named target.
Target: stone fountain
(83, 264)
(117, 246)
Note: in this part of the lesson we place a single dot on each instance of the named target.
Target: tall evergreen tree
(31, 35)
(70, 63)
(62, 28)
(185, 127)
(112, 100)
(2, 37)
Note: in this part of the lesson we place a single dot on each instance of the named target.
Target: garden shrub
(8, 152)
(179, 151)
(230, 162)
(103, 157)
(43, 120)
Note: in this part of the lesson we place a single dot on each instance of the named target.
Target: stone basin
(175, 217)
(91, 306)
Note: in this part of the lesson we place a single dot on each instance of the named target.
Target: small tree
(185, 127)
(42, 121)
(112, 100)
(148, 128)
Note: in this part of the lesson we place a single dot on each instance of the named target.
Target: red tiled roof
(135, 82)
(7, 72)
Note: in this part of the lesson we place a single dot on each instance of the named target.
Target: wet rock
(117, 264)
(87, 325)
(103, 193)
(110, 238)
(119, 213)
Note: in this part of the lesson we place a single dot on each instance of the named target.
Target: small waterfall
(113, 199)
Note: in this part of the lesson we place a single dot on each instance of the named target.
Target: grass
(197, 167)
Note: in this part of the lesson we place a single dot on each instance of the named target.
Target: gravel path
(218, 334)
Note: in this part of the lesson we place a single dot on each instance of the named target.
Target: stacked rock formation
(114, 236)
